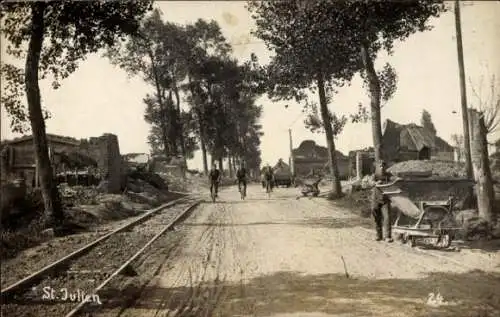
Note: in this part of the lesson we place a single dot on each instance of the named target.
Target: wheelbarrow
(428, 219)
(311, 187)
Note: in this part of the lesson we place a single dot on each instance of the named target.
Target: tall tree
(157, 53)
(426, 122)
(368, 26)
(311, 54)
(377, 25)
(484, 122)
(209, 47)
(70, 31)
(235, 94)
(481, 166)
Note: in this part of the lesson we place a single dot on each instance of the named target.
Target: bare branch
(489, 106)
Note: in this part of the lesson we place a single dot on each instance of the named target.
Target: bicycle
(268, 188)
(213, 195)
(242, 190)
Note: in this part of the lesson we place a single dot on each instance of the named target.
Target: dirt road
(289, 257)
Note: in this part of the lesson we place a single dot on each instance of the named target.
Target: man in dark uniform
(241, 175)
(214, 177)
(381, 205)
(268, 176)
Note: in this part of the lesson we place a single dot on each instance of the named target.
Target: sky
(101, 98)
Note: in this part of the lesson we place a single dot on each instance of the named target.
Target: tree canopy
(191, 65)
(338, 39)
(72, 30)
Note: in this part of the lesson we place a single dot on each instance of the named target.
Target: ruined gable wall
(106, 151)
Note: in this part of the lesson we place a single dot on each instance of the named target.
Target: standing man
(241, 175)
(214, 177)
(269, 176)
(381, 204)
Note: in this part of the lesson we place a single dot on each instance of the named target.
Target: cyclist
(268, 176)
(241, 175)
(214, 177)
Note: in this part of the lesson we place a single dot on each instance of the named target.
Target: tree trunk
(163, 110)
(203, 145)
(173, 133)
(375, 94)
(201, 129)
(181, 127)
(221, 166)
(204, 154)
(332, 159)
(244, 157)
(481, 167)
(50, 193)
(230, 166)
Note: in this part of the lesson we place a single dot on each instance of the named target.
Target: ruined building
(99, 156)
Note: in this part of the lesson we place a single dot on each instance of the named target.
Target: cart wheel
(404, 238)
(444, 241)
(400, 237)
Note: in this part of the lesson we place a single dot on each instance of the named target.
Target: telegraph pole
(292, 163)
(463, 93)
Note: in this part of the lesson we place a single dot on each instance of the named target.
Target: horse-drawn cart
(424, 208)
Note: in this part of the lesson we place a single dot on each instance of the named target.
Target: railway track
(65, 286)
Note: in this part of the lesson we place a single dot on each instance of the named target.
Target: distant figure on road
(381, 204)
(214, 177)
(268, 176)
(241, 175)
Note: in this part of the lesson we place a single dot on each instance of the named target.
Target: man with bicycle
(214, 177)
(241, 175)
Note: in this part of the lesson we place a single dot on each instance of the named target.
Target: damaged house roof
(281, 165)
(411, 137)
(75, 159)
(50, 138)
(308, 149)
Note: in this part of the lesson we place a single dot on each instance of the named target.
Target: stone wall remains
(106, 151)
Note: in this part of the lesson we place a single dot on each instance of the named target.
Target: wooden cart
(426, 219)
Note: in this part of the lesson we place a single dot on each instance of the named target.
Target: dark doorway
(424, 153)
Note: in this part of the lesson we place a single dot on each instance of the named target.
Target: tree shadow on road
(321, 222)
(473, 294)
(246, 201)
(482, 245)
